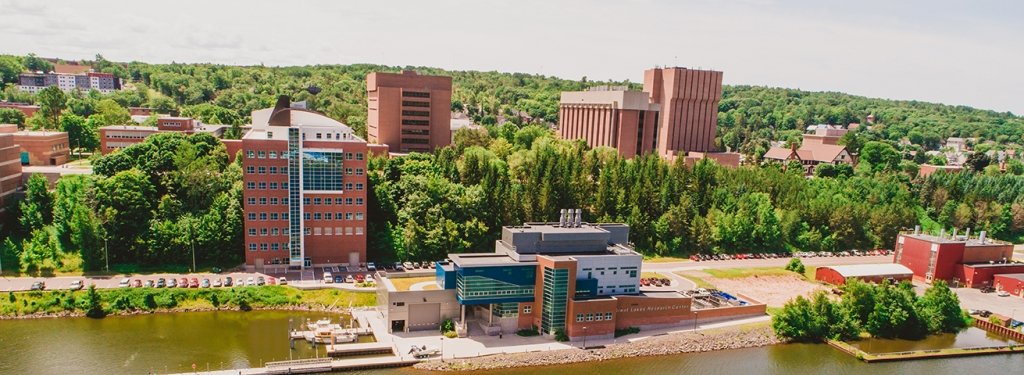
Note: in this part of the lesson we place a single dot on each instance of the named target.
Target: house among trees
(820, 145)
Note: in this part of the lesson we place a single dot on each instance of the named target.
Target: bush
(149, 301)
(528, 332)
(94, 303)
(447, 326)
(795, 265)
(561, 336)
(626, 331)
(10, 297)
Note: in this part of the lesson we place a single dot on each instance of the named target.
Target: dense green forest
(154, 201)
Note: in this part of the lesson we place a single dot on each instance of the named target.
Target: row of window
(591, 317)
(251, 185)
(317, 201)
(251, 154)
(485, 293)
(272, 216)
(309, 231)
(416, 113)
(410, 103)
(414, 94)
(284, 170)
(625, 288)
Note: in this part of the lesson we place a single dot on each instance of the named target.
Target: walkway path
(422, 285)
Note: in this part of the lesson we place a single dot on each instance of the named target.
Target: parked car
(1003, 293)
(349, 279)
(282, 281)
(205, 283)
(359, 278)
(250, 281)
(228, 281)
(271, 281)
(371, 267)
(183, 282)
(172, 283)
(193, 283)
(328, 278)
(261, 281)
(988, 289)
(125, 282)
(399, 267)
(149, 284)
(136, 283)
(339, 279)
(77, 285)
(408, 266)
(217, 283)
(369, 277)
(38, 285)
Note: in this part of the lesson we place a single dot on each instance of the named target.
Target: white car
(282, 281)
(76, 285)
(328, 278)
(217, 283)
(1003, 293)
(349, 279)
(125, 282)
(250, 281)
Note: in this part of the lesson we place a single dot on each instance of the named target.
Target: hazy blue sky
(956, 52)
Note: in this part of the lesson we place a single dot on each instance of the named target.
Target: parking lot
(104, 282)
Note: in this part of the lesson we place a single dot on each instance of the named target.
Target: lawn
(701, 283)
(665, 259)
(148, 299)
(647, 275)
(739, 273)
(404, 283)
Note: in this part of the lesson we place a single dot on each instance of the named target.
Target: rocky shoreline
(690, 342)
(77, 314)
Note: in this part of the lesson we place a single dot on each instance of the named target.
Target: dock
(301, 335)
(318, 365)
(345, 350)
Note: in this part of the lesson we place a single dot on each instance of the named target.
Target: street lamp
(695, 321)
(584, 337)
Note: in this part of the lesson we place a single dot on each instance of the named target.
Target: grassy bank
(134, 300)
(738, 273)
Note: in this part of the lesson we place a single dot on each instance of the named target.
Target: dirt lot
(771, 290)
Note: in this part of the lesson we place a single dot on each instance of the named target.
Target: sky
(953, 52)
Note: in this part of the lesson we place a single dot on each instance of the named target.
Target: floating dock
(345, 350)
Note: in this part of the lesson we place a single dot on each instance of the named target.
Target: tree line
(882, 310)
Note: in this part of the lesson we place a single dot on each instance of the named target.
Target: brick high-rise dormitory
(305, 189)
(409, 112)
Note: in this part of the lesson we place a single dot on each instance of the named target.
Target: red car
(136, 283)
(359, 278)
(183, 283)
(271, 281)
(194, 283)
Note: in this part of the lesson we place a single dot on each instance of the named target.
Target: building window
(359, 216)
(317, 216)
(263, 247)
(263, 186)
(251, 200)
(307, 215)
(250, 154)
(252, 231)
(359, 231)
(359, 201)
(527, 309)
(273, 185)
(328, 201)
(250, 169)
(414, 94)
(306, 200)
(263, 231)
(308, 231)
(262, 170)
(273, 216)
(263, 216)
(348, 216)
(359, 171)
(597, 318)
(607, 316)
(273, 154)
(252, 216)
(263, 200)
(359, 156)
(273, 170)
(252, 247)
(250, 185)
(590, 317)
(262, 154)
(348, 201)
(579, 317)
(359, 186)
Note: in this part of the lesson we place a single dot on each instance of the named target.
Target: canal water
(172, 342)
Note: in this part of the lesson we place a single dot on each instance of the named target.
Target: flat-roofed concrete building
(689, 108)
(617, 118)
(10, 169)
(408, 112)
(961, 260)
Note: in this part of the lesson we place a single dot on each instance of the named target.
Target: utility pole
(192, 241)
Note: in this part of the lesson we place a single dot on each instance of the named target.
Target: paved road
(753, 263)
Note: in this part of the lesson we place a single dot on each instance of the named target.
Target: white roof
(882, 269)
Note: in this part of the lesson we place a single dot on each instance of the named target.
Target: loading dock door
(424, 316)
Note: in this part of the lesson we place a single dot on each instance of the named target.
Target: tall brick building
(617, 118)
(689, 107)
(305, 189)
(675, 114)
(10, 169)
(409, 112)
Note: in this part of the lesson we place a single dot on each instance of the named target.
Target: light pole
(695, 321)
(192, 241)
(584, 337)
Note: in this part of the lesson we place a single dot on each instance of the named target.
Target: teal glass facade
(487, 285)
(322, 170)
(294, 197)
(555, 299)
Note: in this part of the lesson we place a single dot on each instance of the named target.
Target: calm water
(971, 337)
(172, 342)
(154, 342)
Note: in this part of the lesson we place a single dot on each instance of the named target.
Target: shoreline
(76, 314)
(678, 343)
